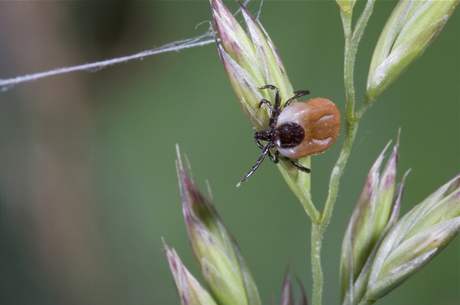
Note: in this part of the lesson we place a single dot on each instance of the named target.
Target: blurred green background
(88, 184)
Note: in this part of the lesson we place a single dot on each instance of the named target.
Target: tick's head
(264, 135)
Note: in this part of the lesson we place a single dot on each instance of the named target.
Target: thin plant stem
(337, 173)
(351, 124)
(319, 229)
(352, 40)
(348, 68)
(310, 208)
(317, 271)
(351, 49)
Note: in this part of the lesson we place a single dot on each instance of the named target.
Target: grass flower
(416, 239)
(377, 210)
(411, 28)
(251, 61)
(190, 291)
(221, 263)
(287, 293)
(379, 252)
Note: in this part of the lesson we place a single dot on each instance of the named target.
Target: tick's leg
(266, 103)
(296, 95)
(271, 87)
(277, 99)
(258, 143)
(276, 109)
(275, 157)
(299, 166)
(256, 165)
(277, 94)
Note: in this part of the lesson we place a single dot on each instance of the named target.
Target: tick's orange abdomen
(320, 120)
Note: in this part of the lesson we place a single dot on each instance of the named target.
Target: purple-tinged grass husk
(219, 257)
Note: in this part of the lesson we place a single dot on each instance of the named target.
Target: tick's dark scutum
(290, 135)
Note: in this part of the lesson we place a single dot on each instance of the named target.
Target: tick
(296, 130)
